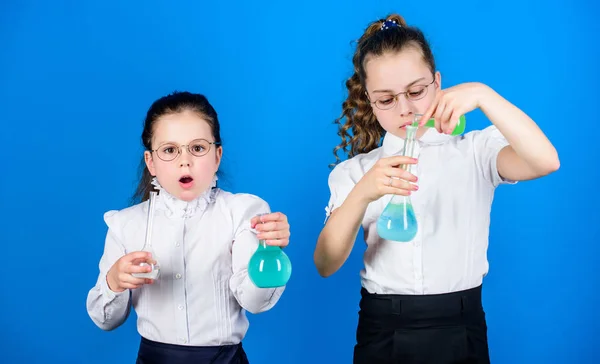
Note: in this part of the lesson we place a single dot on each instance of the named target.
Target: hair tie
(389, 24)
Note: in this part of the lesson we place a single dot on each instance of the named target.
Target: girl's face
(183, 159)
(400, 85)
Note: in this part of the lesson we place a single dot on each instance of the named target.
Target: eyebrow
(188, 142)
(407, 86)
(160, 142)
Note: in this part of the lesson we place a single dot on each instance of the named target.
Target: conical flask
(269, 266)
(148, 242)
(398, 222)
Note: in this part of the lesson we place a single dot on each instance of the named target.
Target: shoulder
(481, 134)
(235, 200)
(119, 219)
(474, 141)
(241, 203)
(489, 139)
(240, 208)
(351, 170)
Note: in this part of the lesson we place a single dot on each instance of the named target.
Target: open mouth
(186, 179)
(406, 124)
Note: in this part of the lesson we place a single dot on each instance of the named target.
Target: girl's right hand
(119, 276)
(387, 178)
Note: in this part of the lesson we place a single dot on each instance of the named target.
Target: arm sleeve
(248, 295)
(340, 185)
(487, 144)
(109, 309)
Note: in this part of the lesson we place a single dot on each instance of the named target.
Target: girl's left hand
(451, 103)
(273, 228)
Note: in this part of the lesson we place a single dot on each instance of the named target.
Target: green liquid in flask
(458, 129)
(269, 267)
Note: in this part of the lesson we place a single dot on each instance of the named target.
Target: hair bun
(395, 19)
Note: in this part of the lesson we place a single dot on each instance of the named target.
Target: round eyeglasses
(413, 93)
(197, 148)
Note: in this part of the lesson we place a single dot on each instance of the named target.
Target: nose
(185, 159)
(404, 106)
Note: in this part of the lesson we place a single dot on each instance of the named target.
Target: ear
(149, 163)
(369, 102)
(438, 80)
(218, 156)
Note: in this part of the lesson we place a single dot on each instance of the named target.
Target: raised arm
(529, 154)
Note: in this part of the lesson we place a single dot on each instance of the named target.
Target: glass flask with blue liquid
(269, 266)
(398, 222)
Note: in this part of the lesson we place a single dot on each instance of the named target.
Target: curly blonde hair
(361, 132)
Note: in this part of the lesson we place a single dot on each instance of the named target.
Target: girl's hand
(387, 178)
(119, 276)
(451, 103)
(273, 228)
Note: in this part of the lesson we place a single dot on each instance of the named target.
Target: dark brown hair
(361, 133)
(172, 104)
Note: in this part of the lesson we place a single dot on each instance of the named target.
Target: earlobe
(149, 162)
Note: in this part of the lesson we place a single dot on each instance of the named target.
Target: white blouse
(457, 179)
(203, 248)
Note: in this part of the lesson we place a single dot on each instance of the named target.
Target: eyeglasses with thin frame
(413, 93)
(170, 151)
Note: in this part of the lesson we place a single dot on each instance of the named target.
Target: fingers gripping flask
(269, 266)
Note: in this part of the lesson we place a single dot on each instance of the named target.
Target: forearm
(339, 234)
(522, 133)
(252, 298)
(106, 308)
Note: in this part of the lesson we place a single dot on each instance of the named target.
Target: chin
(190, 195)
(187, 198)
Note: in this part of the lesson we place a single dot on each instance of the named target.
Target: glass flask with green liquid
(269, 266)
(398, 221)
(458, 129)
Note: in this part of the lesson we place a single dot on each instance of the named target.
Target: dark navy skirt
(424, 329)
(152, 352)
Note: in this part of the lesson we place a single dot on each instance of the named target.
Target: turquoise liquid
(397, 222)
(269, 267)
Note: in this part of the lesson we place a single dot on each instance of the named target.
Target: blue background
(76, 79)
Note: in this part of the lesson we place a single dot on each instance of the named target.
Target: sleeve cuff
(109, 293)
(497, 179)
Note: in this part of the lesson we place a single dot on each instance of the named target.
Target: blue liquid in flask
(269, 266)
(398, 221)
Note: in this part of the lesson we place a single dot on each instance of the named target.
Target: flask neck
(409, 144)
(262, 245)
(410, 141)
(400, 200)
